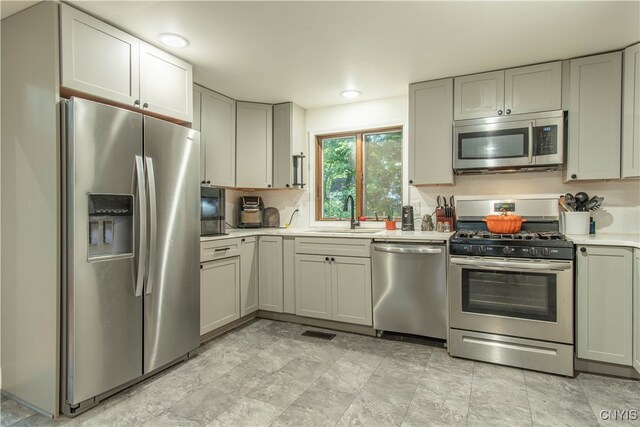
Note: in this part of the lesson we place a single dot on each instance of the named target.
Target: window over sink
(366, 164)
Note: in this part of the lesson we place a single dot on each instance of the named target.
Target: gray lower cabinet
(219, 293)
(431, 132)
(631, 112)
(593, 147)
(604, 304)
(636, 309)
(248, 275)
(334, 288)
(271, 285)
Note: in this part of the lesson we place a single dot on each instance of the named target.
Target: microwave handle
(530, 142)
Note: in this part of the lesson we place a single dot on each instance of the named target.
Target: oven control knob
(482, 249)
(545, 251)
(507, 250)
(470, 249)
(533, 251)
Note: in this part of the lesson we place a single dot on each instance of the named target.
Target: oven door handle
(510, 265)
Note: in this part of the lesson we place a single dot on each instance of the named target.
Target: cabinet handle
(221, 249)
(326, 258)
(583, 250)
(499, 112)
(508, 111)
(333, 259)
(410, 181)
(574, 176)
(145, 105)
(136, 103)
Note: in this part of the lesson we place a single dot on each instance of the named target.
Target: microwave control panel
(546, 140)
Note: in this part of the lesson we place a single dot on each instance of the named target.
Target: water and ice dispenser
(110, 226)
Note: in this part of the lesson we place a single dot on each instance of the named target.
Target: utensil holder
(576, 223)
(440, 217)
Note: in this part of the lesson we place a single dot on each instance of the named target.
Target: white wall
(621, 212)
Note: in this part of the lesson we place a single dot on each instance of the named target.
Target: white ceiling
(309, 51)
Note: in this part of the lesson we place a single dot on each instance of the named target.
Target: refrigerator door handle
(142, 206)
(151, 180)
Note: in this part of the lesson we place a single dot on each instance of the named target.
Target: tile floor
(268, 374)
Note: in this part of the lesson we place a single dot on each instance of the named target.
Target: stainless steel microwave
(498, 144)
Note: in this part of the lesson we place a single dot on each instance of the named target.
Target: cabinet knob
(200, 266)
(574, 176)
(288, 186)
(333, 259)
(410, 181)
(203, 182)
(583, 250)
(243, 240)
(269, 185)
(208, 182)
(508, 111)
(145, 105)
(326, 258)
(499, 112)
(136, 103)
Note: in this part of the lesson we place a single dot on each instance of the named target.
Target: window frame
(360, 173)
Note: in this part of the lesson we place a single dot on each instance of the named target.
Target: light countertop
(398, 235)
(607, 239)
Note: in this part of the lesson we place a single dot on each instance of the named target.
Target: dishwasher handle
(408, 249)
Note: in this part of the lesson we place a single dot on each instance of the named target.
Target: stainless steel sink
(342, 230)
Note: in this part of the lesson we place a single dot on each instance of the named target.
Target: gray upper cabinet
(289, 138)
(631, 113)
(431, 132)
(479, 95)
(532, 89)
(636, 309)
(217, 137)
(103, 61)
(166, 83)
(594, 117)
(254, 145)
(604, 304)
(520, 90)
(197, 125)
(98, 58)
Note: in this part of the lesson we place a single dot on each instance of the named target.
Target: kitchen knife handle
(153, 227)
(142, 215)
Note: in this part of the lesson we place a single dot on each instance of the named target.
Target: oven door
(521, 298)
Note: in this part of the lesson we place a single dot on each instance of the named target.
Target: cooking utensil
(598, 204)
(504, 224)
(581, 201)
(570, 200)
(563, 203)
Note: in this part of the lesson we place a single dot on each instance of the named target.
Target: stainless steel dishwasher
(410, 288)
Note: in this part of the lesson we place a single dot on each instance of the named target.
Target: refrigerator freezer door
(172, 292)
(102, 316)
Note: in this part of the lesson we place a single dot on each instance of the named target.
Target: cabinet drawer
(333, 246)
(218, 249)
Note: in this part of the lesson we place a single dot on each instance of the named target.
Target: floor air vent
(317, 334)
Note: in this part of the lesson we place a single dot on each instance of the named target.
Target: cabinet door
(594, 117)
(604, 304)
(219, 132)
(351, 290)
(254, 148)
(166, 84)
(248, 275)
(97, 58)
(479, 95)
(430, 132)
(313, 286)
(636, 310)
(271, 283)
(219, 293)
(532, 89)
(197, 125)
(631, 113)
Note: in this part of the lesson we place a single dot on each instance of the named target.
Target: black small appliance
(407, 218)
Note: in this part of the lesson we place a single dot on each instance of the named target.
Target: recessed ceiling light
(350, 93)
(173, 40)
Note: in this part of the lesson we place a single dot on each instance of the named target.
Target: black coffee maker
(407, 218)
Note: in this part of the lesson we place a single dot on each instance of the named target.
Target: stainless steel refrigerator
(131, 281)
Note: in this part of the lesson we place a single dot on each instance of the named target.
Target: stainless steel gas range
(511, 295)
